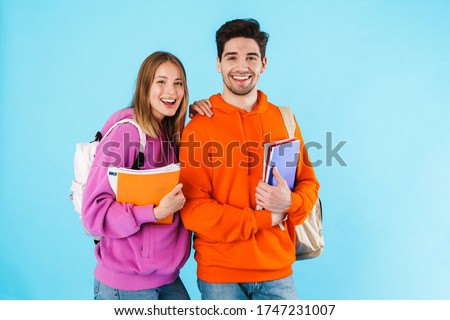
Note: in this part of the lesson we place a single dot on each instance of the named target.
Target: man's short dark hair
(245, 28)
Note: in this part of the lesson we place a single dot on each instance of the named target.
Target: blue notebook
(284, 154)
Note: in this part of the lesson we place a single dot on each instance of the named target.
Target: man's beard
(239, 91)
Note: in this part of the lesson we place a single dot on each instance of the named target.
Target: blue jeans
(171, 291)
(282, 289)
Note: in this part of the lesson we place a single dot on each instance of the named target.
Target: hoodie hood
(125, 113)
(241, 116)
(222, 107)
(162, 149)
(247, 125)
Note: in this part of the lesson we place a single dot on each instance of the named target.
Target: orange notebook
(143, 187)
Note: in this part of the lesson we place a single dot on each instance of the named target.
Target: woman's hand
(202, 107)
(170, 203)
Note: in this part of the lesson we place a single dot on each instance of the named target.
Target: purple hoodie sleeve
(101, 214)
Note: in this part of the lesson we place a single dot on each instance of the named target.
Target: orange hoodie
(222, 162)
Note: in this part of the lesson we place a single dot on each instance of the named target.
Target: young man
(242, 253)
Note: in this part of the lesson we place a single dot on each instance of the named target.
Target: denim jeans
(282, 289)
(171, 291)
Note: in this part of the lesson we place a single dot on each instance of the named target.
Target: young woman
(137, 258)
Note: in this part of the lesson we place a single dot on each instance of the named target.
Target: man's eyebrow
(229, 54)
(234, 53)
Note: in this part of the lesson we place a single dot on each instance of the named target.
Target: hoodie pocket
(146, 237)
(286, 238)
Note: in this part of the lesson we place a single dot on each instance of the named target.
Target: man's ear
(219, 66)
(264, 64)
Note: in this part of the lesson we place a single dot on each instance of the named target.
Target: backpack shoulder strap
(288, 118)
(142, 138)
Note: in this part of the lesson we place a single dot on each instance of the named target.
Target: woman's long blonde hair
(141, 100)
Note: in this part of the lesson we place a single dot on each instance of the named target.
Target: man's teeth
(241, 77)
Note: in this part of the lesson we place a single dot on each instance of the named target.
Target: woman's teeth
(170, 101)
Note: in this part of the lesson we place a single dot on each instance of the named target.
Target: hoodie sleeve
(201, 213)
(101, 214)
(306, 188)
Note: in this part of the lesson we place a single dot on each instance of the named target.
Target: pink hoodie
(134, 253)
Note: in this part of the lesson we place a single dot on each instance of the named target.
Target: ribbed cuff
(297, 203)
(144, 214)
(263, 219)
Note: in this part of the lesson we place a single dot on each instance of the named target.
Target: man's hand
(202, 107)
(278, 218)
(276, 199)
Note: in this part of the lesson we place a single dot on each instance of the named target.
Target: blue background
(375, 74)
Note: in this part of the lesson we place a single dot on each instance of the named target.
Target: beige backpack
(309, 243)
